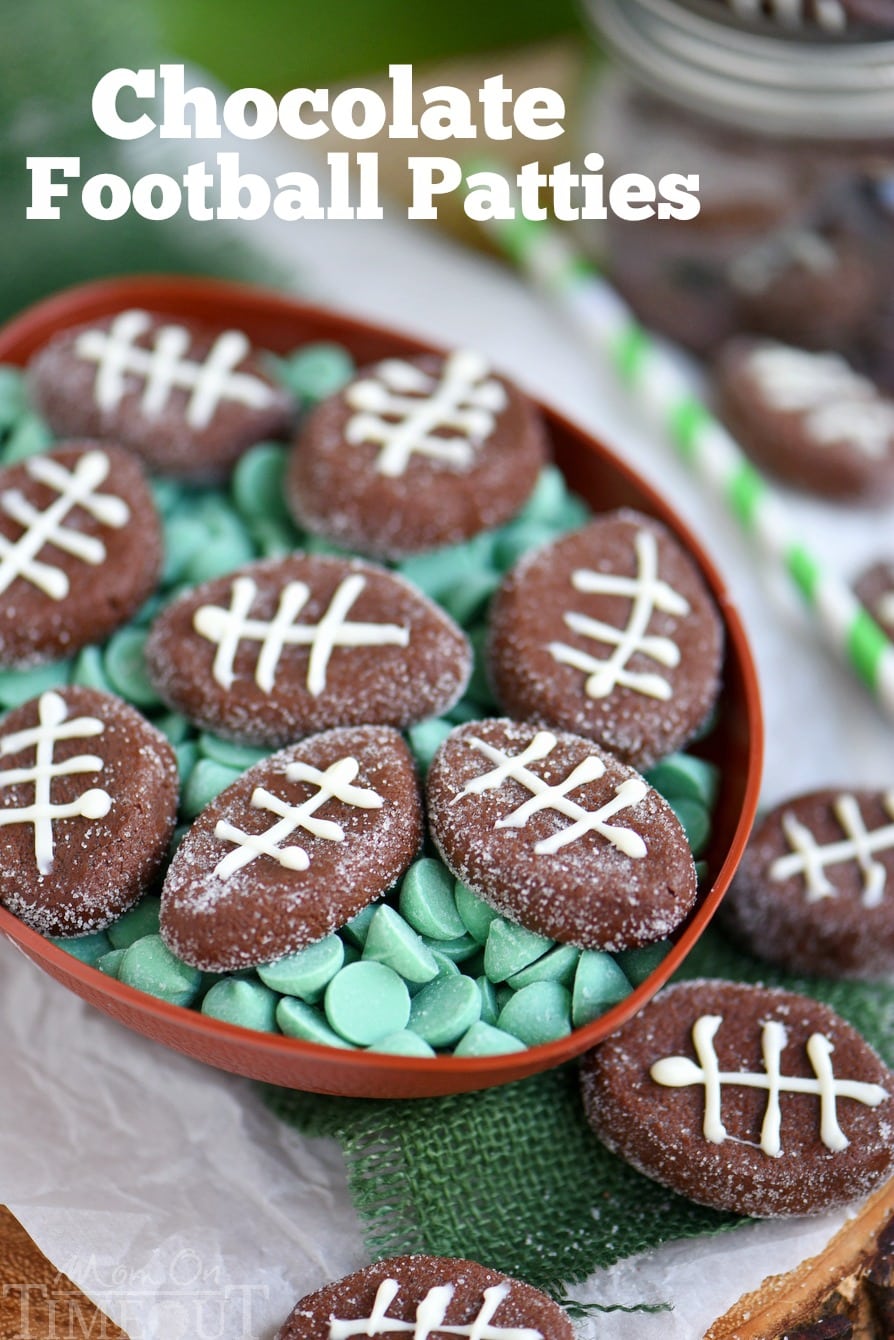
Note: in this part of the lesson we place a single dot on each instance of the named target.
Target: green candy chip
(483, 1039)
(299, 1020)
(138, 921)
(391, 940)
(510, 948)
(125, 667)
(150, 966)
(445, 1009)
(306, 973)
(365, 1002)
(316, 371)
(206, 780)
(638, 964)
(88, 948)
(682, 776)
(599, 983)
(248, 1004)
(258, 483)
(475, 914)
(427, 901)
(556, 965)
(404, 1043)
(538, 1013)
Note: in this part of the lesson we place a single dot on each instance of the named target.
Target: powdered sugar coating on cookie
(293, 849)
(284, 647)
(427, 1296)
(186, 398)
(609, 632)
(80, 550)
(559, 836)
(88, 802)
(750, 1100)
(414, 454)
(815, 889)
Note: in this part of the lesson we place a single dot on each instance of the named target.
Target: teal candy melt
(13, 395)
(174, 726)
(519, 538)
(557, 965)
(447, 967)
(316, 371)
(683, 776)
(17, 686)
(599, 983)
(459, 950)
(29, 436)
(510, 948)
(445, 1009)
(248, 1004)
(426, 738)
(184, 537)
(206, 781)
(474, 912)
(391, 940)
(547, 499)
(257, 486)
(87, 948)
(218, 557)
(696, 822)
(168, 494)
(297, 1019)
(440, 570)
(466, 602)
(89, 670)
(638, 964)
(365, 1002)
(490, 1006)
(479, 686)
(404, 1043)
(538, 1013)
(356, 930)
(306, 973)
(427, 901)
(274, 539)
(125, 667)
(148, 965)
(187, 758)
(138, 921)
(483, 1039)
(231, 755)
(110, 963)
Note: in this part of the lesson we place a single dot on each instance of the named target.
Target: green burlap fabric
(513, 1177)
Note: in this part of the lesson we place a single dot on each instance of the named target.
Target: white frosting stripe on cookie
(430, 1314)
(43, 738)
(75, 488)
(409, 412)
(648, 593)
(228, 628)
(332, 784)
(680, 1072)
(514, 768)
(810, 859)
(165, 367)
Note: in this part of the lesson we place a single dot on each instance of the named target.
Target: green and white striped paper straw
(665, 391)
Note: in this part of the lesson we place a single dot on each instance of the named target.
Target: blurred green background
(53, 53)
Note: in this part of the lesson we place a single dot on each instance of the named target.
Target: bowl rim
(30, 330)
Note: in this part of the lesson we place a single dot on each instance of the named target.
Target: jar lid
(772, 77)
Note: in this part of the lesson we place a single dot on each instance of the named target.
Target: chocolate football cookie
(815, 889)
(809, 419)
(284, 647)
(88, 802)
(80, 550)
(416, 453)
(427, 1296)
(749, 1100)
(293, 849)
(559, 836)
(186, 398)
(609, 632)
(875, 589)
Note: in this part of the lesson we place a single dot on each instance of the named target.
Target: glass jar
(791, 130)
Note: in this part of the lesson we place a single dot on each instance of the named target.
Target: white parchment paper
(165, 1189)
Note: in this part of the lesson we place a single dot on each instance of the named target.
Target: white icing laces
(410, 412)
(860, 844)
(228, 627)
(546, 797)
(430, 1314)
(75, 488)
(122, 363)
(333, 784)
(679, 1072)
(648, 593)
(43, 738)
(838, 405)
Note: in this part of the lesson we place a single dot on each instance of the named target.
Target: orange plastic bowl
(735, 744)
